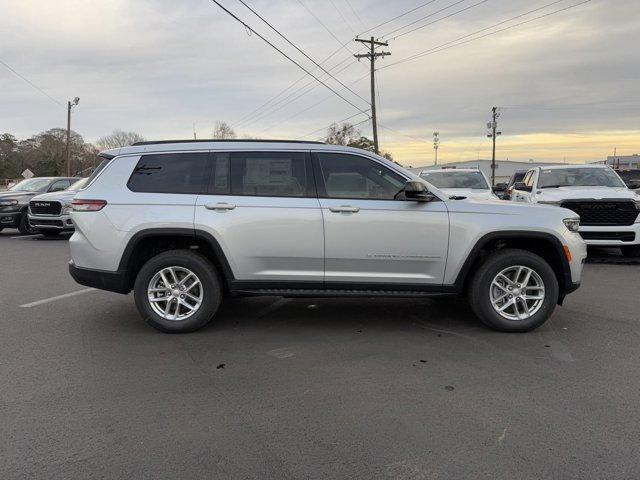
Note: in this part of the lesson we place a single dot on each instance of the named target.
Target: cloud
(568, 83)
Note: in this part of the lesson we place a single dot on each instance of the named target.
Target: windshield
(31, 185)
(579, 177)
(78, 185)
(453, 179)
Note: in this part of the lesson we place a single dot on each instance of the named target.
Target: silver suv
(184, 223)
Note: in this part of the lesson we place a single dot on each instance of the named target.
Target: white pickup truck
(609, 211)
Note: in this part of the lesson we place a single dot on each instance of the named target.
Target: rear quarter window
(169, 173)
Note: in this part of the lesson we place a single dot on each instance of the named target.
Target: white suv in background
(183, 224)
(609, 211)
(460, 182)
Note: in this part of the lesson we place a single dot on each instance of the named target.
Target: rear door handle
(219, 206)
(345, 209)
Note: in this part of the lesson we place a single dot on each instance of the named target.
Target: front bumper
(611, 236)
(10, 219)
(51, 222)
(111, 281)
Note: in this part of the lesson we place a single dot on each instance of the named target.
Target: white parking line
(58, 297)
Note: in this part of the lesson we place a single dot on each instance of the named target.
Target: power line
(344, 19)
(355, 14)
(440, 19)
(301, 51)
(397, 17)
(451, 44)
(387, 35)
(235, 17)
(343, 45)
(292, 97)
(19, 75)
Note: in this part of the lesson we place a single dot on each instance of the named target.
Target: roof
(227, 145)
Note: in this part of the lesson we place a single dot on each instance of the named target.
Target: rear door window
(261, 174)
(169, 173)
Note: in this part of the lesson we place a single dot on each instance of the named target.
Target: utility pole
(492, 126)
(372, 55)
(68, 147)
(436, 145)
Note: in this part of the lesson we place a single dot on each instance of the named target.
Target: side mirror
(56, 189)
(633, 184)
(417, 191)
(522, 187)
(500, 187)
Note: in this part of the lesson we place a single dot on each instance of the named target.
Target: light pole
(68, 152)
(436, 145)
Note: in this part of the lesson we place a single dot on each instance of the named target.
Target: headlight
(572, 224)
(549, 203)
(67, 209)
(8, 203)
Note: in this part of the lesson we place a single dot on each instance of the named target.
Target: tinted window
(351, 176)
(59, 185)
(169, 173)
(264, 174)
(453, 179)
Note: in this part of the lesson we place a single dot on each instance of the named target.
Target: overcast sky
(569, 82)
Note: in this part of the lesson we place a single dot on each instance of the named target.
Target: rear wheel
(24, 226)
(514, 291)
(631, 251)
(178, 291)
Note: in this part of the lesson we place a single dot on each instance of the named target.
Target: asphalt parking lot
(291, 389)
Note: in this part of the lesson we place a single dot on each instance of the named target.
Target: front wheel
(514, 291)
(24, 226)
(178, 291)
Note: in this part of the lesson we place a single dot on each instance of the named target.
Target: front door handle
(345, 209)
(219, 206)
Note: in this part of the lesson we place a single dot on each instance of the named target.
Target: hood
(470, 193)
(20, 196)
(64, 196)
(581, 193)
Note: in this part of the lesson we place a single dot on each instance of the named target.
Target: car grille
(45, 208)
(604, 212)
(621, 236)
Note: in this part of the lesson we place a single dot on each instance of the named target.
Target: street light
(436, 145)
(73, 103)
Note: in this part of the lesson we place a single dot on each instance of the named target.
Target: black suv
(14, 203)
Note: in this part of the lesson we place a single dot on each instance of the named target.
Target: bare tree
(344, 134)
(222, 130)
(119, 138)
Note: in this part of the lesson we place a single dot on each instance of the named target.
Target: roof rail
(159, 142)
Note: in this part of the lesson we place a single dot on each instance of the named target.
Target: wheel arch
(147, 243)
(544, 244)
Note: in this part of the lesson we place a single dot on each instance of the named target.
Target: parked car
(517, 176)
(184, 224)
(50, 213)
(460, 182)
(609, 211)
(14, 203)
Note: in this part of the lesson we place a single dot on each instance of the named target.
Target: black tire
(480, 285)
(24, 226)
(211, 290)
(631, 251)
(49, 233)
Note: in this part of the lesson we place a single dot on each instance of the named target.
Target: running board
(312, 293)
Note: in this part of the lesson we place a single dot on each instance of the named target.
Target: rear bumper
(111, 281)
(49, 222)
(10, 219)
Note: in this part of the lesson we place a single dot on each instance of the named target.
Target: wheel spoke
(505, 278)
(501, 287)
(506, 305)
(157, 299)
(499, 299)
(195, 283)
(187, 277)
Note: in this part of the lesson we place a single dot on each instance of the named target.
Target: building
(504, 168)
(623, 162)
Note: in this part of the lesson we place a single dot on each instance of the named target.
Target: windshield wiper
(554, 186)
(456, 197)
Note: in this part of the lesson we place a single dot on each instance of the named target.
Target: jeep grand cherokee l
(183, 224)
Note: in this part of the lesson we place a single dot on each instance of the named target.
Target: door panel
(371, 237)
(264, 237)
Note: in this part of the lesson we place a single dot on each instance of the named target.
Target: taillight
(88, 205)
